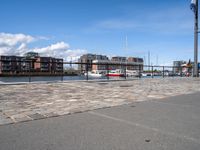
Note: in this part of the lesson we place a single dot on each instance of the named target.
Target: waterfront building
(31, 55)
(89, 58)
(100, 65)
(130, 63)
(29, 60)
(30, 63)
(118, 59)
(10, 64)
(135, 63)
(177, 66)
(48, 65)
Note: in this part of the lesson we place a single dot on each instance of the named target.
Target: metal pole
(181, 71)
(107, 70)
(29, 72)
(62, 77)
(163, 71)
(149, 60)
(62, 73)
(152, 74)
(87, 72)
(125, 71)
(139, 71)
(195, 69)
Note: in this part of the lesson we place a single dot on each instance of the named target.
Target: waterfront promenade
(27, 102)
(172, 123)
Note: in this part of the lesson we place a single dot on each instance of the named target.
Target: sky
(70, 28)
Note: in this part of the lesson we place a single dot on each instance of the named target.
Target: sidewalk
(27, 102)
(170, 124)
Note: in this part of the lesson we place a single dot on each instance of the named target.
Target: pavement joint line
(29, 117)
(180, 105)
(10, 117)
(145, 126)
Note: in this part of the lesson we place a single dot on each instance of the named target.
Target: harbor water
(60, 78)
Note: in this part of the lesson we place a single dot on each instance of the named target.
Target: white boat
(115, 73)
(146, 74)
(93, 73)
(132, 73)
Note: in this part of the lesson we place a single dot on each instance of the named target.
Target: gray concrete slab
(167, 124)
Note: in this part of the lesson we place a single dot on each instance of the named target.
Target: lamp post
(194, 7)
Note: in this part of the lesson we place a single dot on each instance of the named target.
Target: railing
(92, 71)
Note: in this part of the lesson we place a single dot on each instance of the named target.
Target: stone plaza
(32, 101)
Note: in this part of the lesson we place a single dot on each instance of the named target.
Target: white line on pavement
(146, 127)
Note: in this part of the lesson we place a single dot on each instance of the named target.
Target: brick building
(30, 63)
(101, 63)
(90, 58)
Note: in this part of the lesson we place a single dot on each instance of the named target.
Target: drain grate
(103, 83)
(125, 85)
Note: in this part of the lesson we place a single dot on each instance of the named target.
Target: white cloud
(7, 39)
(53, 50)
(61, 50)
(17, 44)
(74, 55)
(14, 44)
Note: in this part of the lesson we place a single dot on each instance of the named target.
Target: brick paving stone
(4, 119)
(37, 116)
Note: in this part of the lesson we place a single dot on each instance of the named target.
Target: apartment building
(89, 59)
(118, 59)
(30, 63)
(48, 64)
(135, 63)
(10, 64)
(130, 63)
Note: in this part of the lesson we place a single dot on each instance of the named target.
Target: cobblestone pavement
(27, 102)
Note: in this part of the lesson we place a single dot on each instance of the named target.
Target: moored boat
(146, 74)
(93, 73)
(115, 73)
(132, 73)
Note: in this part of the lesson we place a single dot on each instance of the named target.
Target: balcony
(6, 64)
(6, 68)
(6, 58)
(44, 69)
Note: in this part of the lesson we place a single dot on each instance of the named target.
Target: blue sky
(165, 28)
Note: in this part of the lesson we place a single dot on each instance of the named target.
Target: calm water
(58, 78)
(39, 78)
(50, 78)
